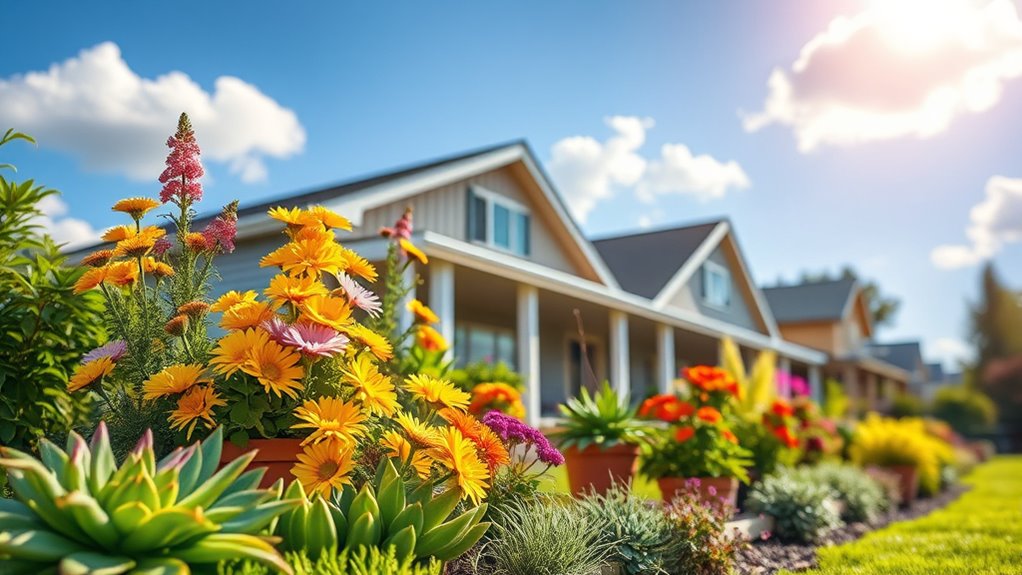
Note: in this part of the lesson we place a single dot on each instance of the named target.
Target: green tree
(883, 308)
(44, 327)
(997, 334)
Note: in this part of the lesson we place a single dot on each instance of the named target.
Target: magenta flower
(314, 340)
(115, 350)
(513, 431)
(161, 247)
(402, 228)
(276, 328)
(359, 296)
(183, 167)
(220, 232)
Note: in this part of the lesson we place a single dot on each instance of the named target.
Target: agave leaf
(36, 545)
(93, 520)
(89, 563)
(256, 519)
(53, 458)
(210, 490)
(190, 470)
(212, 447)
(167, 528)
(102, 462)
(220, 546)
(129, 516)
(162, 566)
(248, 480)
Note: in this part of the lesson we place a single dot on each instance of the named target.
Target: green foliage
(768, 452)
(602, 419)
(800, 507)
(976, 535)
(365, 561)
(967, 410)
(383, 514)
(482, 372)
(864, 497)
(546, 538)
(835, 401)
(996, 333)
(643, 536)
(44, 327)
(907, 405)
(708, 548)
(77, 511)
(707, 453)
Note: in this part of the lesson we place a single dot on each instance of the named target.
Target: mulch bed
(768, 557)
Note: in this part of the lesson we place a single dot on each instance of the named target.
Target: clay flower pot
(597, 469)
(278, 456)
(908, 481)
(708, 488)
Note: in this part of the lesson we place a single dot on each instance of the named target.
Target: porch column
(528, 349)
(871, 391)
(850, 381)
(441, 298)
(405, 318)
(784, 365)
(815, 384)
(619, 357)
(665, 357)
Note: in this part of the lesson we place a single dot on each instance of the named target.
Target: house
(937, 380)
(907, 355)
(509, 266)
(833, 316)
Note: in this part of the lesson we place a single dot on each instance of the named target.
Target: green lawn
(556, 481)
(979, 534)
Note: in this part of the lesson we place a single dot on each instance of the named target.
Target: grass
(979, 534)
(555, 480)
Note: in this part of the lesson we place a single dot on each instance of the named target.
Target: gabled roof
(811, 301)
(936, 371)
(906, 355)
(643, 263)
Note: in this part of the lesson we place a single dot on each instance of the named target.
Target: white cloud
(73, 232)
(95, 107)
(899, 68)
(588, 171)
(994, 222)
(951, 351)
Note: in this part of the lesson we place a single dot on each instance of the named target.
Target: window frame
(711, 268)
(467, 327)
(515, 211)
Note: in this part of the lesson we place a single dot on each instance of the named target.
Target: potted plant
(897, 447)
(600, 437)
(696, 441)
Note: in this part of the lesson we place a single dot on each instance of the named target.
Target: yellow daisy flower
(412, 251)
(157, 268)
(436, 392)
(327, 310)
(430, 339)
(321, 216)
(294, 290)
(174, 379)
(459, 456)
(309, 253)
(118, 233)
(135, 207)
(374, 342)
(290, 216)
(417, 432)
(356, 265)
(397, 446)
(373, 389)
(196, 404)
(90, 279)
(196, 242)
(121, 274)
(246, 314)
(275, 367)
(422, 312)
(88, 373)
(324, 467)
(231, 299)
(232, 351)
(330, 418)
(98, 259)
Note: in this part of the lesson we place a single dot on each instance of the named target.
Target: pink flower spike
(183, 167)
(314, 340)
(359, 296)
(161, 247)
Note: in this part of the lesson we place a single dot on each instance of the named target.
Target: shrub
(907, 405)
(474, 374)
(967, 410)
(700, 526)
(44, 327)
(891, 442)
(641, 533)
(546, 537)
(863, 496)
(799, 506)
(365, 561)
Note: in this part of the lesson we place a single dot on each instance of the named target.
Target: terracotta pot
(278, 456)
(908, 481)
(597, 469)
(709, 488)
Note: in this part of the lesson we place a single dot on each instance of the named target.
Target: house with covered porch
(509, 267)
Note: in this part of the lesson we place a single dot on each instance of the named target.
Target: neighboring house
(508, 267)
(833, 316)
(937, 380)
(907, 355)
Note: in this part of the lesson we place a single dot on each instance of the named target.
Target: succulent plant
(76, 511)
(414, 522)
(603, 418)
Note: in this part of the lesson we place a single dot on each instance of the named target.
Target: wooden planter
(709, 488)
(596, 469)
(908, 481)
(278, 456)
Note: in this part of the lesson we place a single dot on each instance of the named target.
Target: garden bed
(770, 556)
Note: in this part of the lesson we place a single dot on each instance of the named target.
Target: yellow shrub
(884, 441)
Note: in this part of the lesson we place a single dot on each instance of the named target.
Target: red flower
(651, 405)
(782, 408)
(708, 378)
(730, 436)
(709, 414)
(786, 436)
(684, 434)
(666, 408)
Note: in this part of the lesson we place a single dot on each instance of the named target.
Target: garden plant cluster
(315, 430)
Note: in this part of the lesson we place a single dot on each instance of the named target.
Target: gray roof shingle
(643, 263)
(906, 355)
(811, 301)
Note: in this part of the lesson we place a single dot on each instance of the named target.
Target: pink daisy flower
(359, 296)
(115, 350)
(314, 339)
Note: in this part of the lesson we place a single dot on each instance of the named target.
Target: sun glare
(921, 25)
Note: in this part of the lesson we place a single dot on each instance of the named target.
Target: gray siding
(240, 270)
(739, 312)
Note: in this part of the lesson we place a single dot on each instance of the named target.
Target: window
(474, 343)
(498, 222)
(716, 285)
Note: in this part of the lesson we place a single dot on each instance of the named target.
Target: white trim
(519, 270)
(620, 358)
(528, 349)
(694, 262)
(815, 384)
(441, 299)
(665, 359)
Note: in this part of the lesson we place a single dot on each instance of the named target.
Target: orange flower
(122, 274)
(177, 325)
(118, 233)
(327, 218)
(194, 309)
(708, 378)
(430, 339)
(729, 436)
(499, 396)
(98, 259)
(231, 299)
(246, 314)
(196, 242)
(90, 279)
(156, 268)
(284, 288)
(709, 414)
(135, 207)
(683, 434)
(786, 436)
(666, 407)
(782, 408)
(422, 313)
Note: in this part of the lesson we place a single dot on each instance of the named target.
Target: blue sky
(330, 91)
